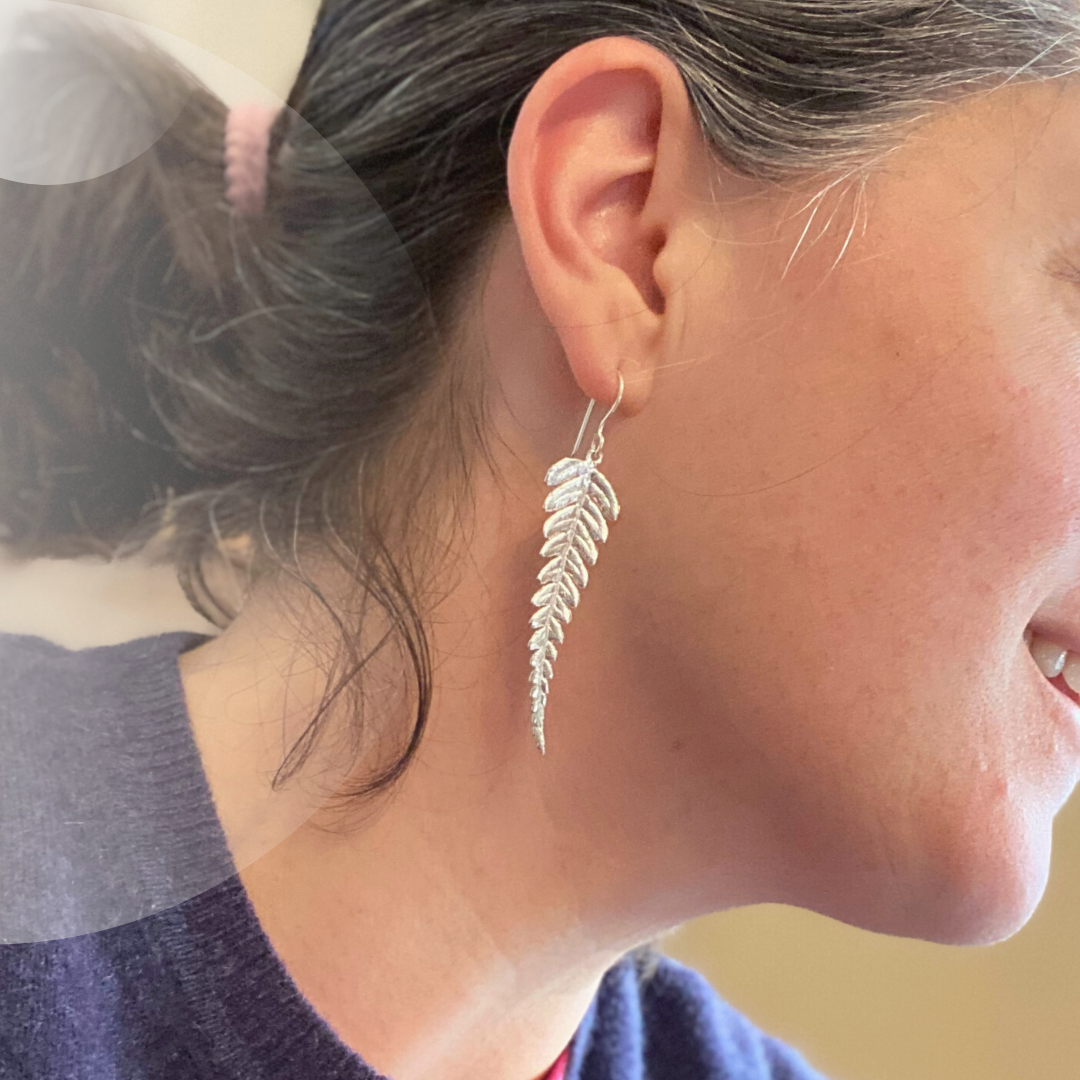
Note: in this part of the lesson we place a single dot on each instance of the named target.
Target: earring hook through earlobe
(598, 441)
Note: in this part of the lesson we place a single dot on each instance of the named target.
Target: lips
(1058, 719)
(1060, 684)
(1058, 661)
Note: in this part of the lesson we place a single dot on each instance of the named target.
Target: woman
(813, 264)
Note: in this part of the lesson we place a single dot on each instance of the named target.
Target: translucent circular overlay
(105, 810)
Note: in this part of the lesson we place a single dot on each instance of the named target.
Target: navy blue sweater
(130, 950)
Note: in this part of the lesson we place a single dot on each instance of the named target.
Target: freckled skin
(875, 471)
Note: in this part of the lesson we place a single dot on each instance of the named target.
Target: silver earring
(579, 505)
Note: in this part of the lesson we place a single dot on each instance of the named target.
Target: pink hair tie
(247, 148)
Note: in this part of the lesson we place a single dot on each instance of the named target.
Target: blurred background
(860, 1006)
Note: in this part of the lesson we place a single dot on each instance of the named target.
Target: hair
(280, 384)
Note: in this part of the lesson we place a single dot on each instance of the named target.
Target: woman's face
(854, 487)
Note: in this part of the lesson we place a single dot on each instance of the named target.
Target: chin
(972, 877)
(985, 895)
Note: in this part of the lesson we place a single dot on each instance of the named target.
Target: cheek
(925, 555)
(859, 631)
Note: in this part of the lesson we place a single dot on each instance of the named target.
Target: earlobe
(592, 186)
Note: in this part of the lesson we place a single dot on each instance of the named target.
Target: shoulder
(656, 1018)
(22, 655)
(19, 652)
(68, 702)
(34, 670)
(107, 815)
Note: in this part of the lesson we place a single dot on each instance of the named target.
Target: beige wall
(863, 1007)
(265, 39)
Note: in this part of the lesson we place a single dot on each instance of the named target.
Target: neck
(461, 929)
(433, 944)
(451, 932)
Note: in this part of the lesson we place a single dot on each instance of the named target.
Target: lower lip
(1060, 684)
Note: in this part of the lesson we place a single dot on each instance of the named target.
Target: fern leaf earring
(581, 505)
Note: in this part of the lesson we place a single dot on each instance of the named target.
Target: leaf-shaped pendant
(581, 505)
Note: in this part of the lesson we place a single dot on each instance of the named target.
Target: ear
(599, 172)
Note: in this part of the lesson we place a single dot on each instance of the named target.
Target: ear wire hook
(597, 449)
